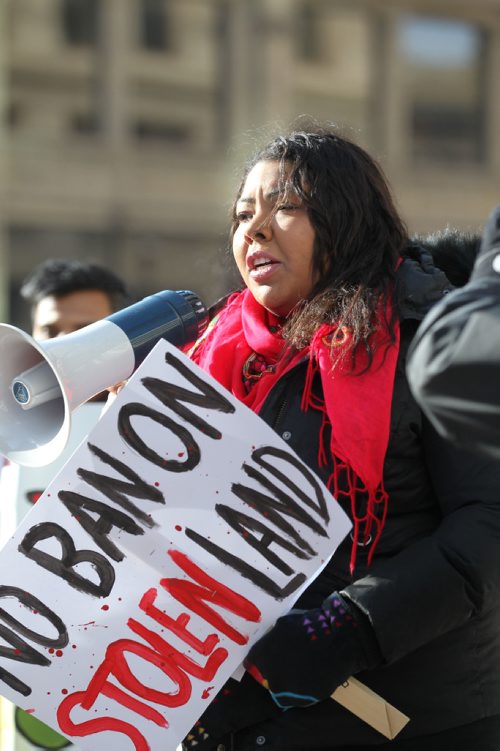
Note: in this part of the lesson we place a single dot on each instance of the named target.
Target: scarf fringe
(343, 481)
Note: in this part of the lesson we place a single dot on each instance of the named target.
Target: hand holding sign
(303, 657)
(309, 653)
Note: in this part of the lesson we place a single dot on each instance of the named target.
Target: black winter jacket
(454, 365)
(432, 593)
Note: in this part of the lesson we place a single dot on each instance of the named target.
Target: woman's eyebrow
(269, 196)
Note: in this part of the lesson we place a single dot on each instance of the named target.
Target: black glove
(309, 653)
(488, 259)
(239, 704)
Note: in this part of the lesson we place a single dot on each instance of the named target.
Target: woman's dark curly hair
(359, 234)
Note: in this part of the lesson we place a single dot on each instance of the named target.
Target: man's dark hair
(61, 276)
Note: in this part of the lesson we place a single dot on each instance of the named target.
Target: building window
(148, 131)
(309, 42)
(444, 79)
(80, 22)
(13, 115)
(85, 123)
(154, 25)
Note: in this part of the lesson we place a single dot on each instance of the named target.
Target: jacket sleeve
(454, 361)
(439, 582)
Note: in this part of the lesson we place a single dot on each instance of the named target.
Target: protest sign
(171, 540)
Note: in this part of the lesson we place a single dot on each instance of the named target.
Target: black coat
(432, 593)
(454, 365)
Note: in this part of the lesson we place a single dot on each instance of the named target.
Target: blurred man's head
(66, 295)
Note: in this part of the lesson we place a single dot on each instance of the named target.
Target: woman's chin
(277, 311)
(274, 305)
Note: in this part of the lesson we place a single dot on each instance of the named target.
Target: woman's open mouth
(261, 267)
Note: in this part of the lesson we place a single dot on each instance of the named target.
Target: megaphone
(42, 383)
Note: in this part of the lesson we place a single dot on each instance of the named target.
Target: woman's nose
(259, 228)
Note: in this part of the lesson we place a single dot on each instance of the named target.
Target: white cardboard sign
(171, 540)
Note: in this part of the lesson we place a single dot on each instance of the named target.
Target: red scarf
(357, 407)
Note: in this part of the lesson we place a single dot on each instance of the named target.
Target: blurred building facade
(126, 121)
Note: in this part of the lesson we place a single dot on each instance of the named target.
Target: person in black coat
(454, 362)
(316, 344)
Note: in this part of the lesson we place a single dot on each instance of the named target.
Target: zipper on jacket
(284, 401)
(279, 414)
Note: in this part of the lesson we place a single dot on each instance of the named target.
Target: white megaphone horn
(41, 383)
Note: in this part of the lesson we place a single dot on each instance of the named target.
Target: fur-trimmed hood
(432, 267)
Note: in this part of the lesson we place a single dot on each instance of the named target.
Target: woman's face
(273, 241)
